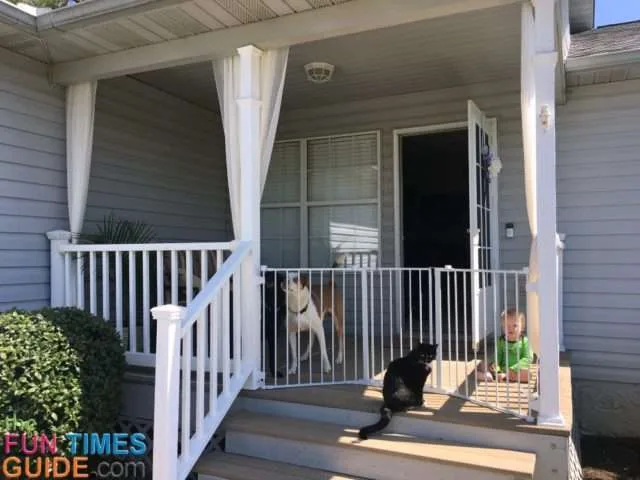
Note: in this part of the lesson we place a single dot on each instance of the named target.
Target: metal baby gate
(386, 311)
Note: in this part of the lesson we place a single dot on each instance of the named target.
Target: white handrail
(218, 329)
(213, 287)
(146, 247)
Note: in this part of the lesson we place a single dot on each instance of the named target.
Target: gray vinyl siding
(156, 159)
(599, 210)
(598, 186)
(498, 99)
(159, 160)
(32, 180)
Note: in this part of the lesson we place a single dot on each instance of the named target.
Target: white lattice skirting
(132, 425)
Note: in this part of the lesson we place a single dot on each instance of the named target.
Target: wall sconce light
(545, 116)
(509, 231)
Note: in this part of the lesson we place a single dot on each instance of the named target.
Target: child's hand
(502, 377)
(487, 376)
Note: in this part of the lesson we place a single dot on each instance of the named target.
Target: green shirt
(513, 355)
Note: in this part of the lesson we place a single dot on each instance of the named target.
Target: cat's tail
(385, 418)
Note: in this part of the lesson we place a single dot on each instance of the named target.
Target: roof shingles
(606, 40)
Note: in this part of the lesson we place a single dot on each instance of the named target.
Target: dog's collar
(301, 311)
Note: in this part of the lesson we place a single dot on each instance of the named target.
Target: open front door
(482, 222)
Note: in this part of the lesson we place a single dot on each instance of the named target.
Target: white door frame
(397, 203)
(398, 133)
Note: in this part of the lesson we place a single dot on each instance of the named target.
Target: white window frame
(304, 204)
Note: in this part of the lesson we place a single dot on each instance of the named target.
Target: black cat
(403, 383)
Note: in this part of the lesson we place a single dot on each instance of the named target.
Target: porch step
(443, 418)
(227, 466)
(333, 447)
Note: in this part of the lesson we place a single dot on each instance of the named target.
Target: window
(280, 223)
(321, 202)
(483, 205)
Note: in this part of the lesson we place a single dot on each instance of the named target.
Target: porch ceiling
(96, 28)
(480, 46)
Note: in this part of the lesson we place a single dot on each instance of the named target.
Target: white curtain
(81, 101)
(273, 68)
(528, 105)
(225, 73)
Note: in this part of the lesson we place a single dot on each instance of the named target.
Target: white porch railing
(188, 409)
(197, 345)
(122, 282)
(381, 313)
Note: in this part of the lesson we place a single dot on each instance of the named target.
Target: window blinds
(340, 206)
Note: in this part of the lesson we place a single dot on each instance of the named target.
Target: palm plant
(117, 231)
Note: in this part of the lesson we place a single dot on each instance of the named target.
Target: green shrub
(61, 371)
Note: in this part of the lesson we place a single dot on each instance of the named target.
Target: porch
(457, 431)
(449, 429)
(324, 200)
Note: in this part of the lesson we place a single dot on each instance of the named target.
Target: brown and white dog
(303, 314)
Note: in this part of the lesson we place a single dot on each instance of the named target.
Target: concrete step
(335, 448)
(228, 466)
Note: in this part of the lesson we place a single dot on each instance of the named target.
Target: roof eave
(12, 15)
(86, 13)
(604, 60)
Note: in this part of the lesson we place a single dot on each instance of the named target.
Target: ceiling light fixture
(319, 72)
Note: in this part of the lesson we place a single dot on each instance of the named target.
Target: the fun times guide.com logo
(86, 455)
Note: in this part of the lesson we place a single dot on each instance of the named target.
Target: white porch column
(545, 206)
(249, 133)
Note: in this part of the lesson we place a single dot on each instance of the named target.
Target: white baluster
(146, 292)
(365, 327)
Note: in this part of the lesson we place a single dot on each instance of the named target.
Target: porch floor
(438, 407)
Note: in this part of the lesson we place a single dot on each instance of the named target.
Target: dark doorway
(435, 213)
